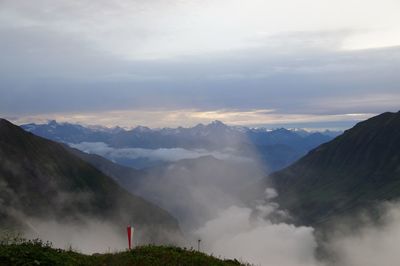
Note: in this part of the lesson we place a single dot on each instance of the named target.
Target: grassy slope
(38, 253)
(355, 170)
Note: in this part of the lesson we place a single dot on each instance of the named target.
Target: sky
(310, 63)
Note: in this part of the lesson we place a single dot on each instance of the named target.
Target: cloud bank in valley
(250, 236)
(238, 232)
(261, 234)
(241, 231)
(91, 236)
(203, 199)
(161, 154)
(372, 244)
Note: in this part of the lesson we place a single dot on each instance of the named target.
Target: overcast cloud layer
(196, 61)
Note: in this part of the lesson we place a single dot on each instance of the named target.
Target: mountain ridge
(356, 169)
(277, 148)
(40, 179)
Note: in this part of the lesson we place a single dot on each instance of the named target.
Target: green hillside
(350, 173)
(38, 253)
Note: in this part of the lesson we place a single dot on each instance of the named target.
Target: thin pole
(129, 232)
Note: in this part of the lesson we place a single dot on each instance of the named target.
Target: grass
(36, 252)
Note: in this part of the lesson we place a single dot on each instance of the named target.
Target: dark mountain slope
(40, 179)
(353, 171)
(127, 177)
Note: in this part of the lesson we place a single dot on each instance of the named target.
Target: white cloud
(236, 233)
(372, 244)
(159, 29)
(89, 237)
(191, 117)
(289, 56)
(161, 154)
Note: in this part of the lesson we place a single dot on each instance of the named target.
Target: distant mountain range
(276, 148)
(41, 180)
(353, 172)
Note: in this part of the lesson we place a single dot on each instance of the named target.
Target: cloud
(191, 117)
(180, 55)
(371, 244)
(161, 154)
(310, 85)
(236, 231)
(159, 29)
(196, 190)
(90, 236)
(259, 239)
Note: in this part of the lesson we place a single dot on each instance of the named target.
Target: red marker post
(129, 230)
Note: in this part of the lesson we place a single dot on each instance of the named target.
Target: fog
(252, 236)
(371, 244)
(204, 194)
(196, 190)
(86, 234)
(256, 235)
(239, 232)
(161, 154)
(81, 233)
(90, 236)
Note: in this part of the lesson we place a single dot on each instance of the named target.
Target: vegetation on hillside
(37, 252)
(353, 172)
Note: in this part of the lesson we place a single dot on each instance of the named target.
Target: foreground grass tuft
(37, 252)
